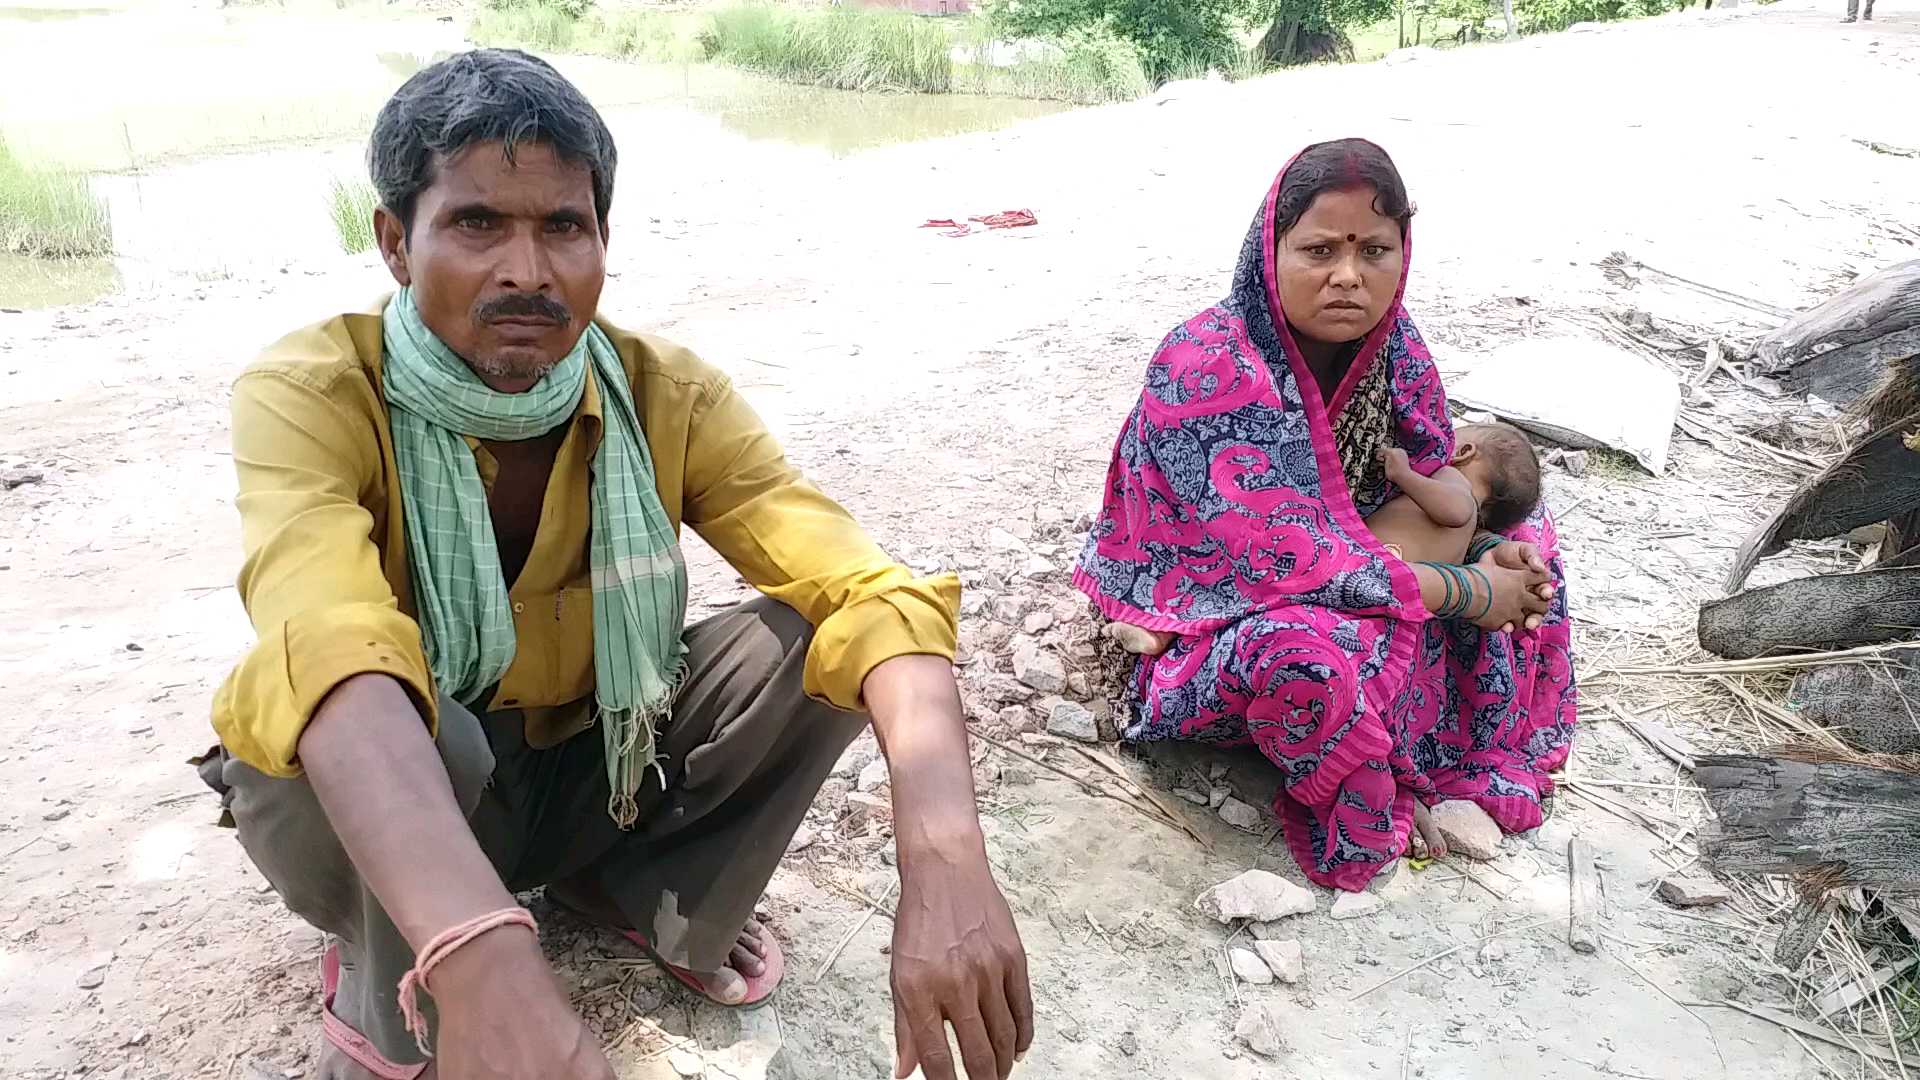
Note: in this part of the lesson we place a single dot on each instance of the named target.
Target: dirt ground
(947, 387)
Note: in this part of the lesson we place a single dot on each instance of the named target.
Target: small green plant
(350, 203)
(844, 48)
(50, 213)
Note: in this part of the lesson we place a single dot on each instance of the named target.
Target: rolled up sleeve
(312, 582)
(795, 544)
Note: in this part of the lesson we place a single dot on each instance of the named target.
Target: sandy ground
(944, 387)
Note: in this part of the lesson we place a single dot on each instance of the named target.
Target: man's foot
(1427, 841)
(1138, 639)
(728, 986)
(334, 1064)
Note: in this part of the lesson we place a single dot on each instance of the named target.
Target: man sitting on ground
(461, 515)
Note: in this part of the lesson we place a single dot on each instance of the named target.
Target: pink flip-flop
(760, 987)
(351, 1042)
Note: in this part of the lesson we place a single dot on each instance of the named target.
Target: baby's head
(1500, 463)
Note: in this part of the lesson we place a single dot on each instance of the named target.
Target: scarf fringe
(628, 759)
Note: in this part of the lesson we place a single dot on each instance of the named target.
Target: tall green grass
(350, 203)
(844, 48)
(527, 26)
(626, 34)
(1087, 69)
(50, 213)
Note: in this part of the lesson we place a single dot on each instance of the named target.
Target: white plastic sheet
(1575, 392)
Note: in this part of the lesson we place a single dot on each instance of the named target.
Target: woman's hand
(1522, 588)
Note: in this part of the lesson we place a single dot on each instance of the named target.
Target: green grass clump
(1089, 69)
(526, 26)
(350, 203)
(844, 48)
(50, 213)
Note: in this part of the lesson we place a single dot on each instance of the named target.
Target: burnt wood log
(1878, 480)
(1833, 824)
(1873, 706)
(1839, 349)
(1814, 614)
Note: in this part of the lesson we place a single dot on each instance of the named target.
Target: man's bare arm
(957, 957)
(380, 779)
(386, 793)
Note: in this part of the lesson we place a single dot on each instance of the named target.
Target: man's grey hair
(487, 95)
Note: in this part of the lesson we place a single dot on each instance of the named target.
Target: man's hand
(503, 1015)
(957, 957)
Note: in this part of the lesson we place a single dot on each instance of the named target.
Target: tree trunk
(1878, 480)
(1875, 706)
(1403, 23)
(1506, 7)
(1840, 349)
(1835, 611)
(1834, 824)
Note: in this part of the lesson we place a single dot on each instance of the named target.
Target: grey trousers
(744, 753)
(1853, 9)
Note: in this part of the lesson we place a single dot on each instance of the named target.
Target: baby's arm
(1445, 497)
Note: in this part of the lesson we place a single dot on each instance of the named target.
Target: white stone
(1260, 895)
(1003, 540)
(1038, 668)
(856, 756)
(1354, 905)
(1693, 892)
(873, 776)
(1037, 567)
(1038, 622)
(1241, 816)
(686, 1063)
(1249, 968)
(1260, 1027)
(1467, 829)
(1072, 720)
(1017, 717)
(1007, 607)
(1284, 958)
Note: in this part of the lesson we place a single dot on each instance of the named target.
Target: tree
(1175, 37)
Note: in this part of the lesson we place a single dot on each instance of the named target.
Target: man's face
(506, 259)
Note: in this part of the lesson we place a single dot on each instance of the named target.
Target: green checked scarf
(639, 578)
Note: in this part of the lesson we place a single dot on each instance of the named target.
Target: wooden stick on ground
(864, 919)
(1119, 771)
(1096, 790)
(1583, 932)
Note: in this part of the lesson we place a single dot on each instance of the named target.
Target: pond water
(216, 139)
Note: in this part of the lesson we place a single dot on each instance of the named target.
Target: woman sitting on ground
(1235, 519)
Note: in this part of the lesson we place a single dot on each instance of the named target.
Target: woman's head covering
(1227, 493)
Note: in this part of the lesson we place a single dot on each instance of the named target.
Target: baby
(1492, 484)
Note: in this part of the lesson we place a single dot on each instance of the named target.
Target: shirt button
(518, 607)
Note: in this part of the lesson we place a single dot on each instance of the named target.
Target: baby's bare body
(1406, 525)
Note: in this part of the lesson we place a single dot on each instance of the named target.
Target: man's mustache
(524, 306)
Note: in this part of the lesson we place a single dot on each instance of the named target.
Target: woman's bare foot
(1138, 639)
(1427, 841)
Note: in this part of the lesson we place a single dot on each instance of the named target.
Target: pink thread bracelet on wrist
(442, 946)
